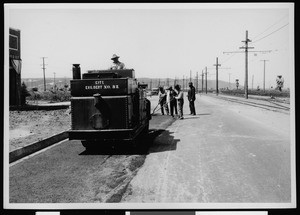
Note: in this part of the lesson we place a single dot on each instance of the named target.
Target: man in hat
(192, 97)
(116, 63)
(180, 101)
(172, 101)
(162, 100)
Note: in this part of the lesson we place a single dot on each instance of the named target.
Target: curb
(38, 107)
(34, 147)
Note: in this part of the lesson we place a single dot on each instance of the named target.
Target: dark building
(15, 64)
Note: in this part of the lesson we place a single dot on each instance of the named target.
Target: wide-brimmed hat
(114, 56)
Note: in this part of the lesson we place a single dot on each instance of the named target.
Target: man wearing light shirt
(180, 101)
(117, 64)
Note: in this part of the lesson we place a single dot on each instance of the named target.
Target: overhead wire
(269, 27)
(270, 33)
(228, 58)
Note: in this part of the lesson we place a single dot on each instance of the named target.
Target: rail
(272, 106)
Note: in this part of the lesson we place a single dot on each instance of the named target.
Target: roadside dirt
(26, 127)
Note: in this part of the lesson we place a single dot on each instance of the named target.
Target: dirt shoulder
(26, 127)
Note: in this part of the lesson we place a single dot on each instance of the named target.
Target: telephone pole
(246, 63)
(44, 68)
(196, 80)
(264, 73)
(246, 60)
(186, 83)
(205, 80)
(252, 81)
(217, 87)
(54, 82)
(229, 80)
(202, 82)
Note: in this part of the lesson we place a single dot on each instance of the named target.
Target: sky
(157, 40)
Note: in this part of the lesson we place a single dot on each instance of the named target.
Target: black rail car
(106, 106)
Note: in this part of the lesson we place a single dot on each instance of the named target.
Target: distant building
(15, 64)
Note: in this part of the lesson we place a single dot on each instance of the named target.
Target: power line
(270, 33)
(269, 27)
(228, 58)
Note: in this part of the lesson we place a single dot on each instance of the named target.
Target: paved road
(228, 152)
(67, 173)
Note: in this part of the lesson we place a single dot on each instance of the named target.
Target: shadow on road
(197, 116)
(157, 140)
(203, 114)
(163, 142)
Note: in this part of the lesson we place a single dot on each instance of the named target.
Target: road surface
(227, 153)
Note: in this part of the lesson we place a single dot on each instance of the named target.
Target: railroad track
(273, 106)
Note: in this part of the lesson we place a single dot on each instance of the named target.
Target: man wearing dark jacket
(192, 97)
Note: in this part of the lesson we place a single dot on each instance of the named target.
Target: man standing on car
(192, 97)
(117, 64)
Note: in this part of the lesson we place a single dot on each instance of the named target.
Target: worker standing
(192, 97)
(162, 100)
(180, 101)
(173, 101)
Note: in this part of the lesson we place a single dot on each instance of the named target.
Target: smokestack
(76, 71)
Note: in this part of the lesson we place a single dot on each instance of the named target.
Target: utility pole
(202, 82)
(190, 75)
(246, 63)
(182, 83)
(44, 68)
(186, 81)
(264, 73)
(246, 60)
(54, 81)
(205, 80)
(197, 82)
(252, 81)
(217, 87)
(229, 79)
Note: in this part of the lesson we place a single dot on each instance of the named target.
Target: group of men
(173, 98)
(168, 97)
